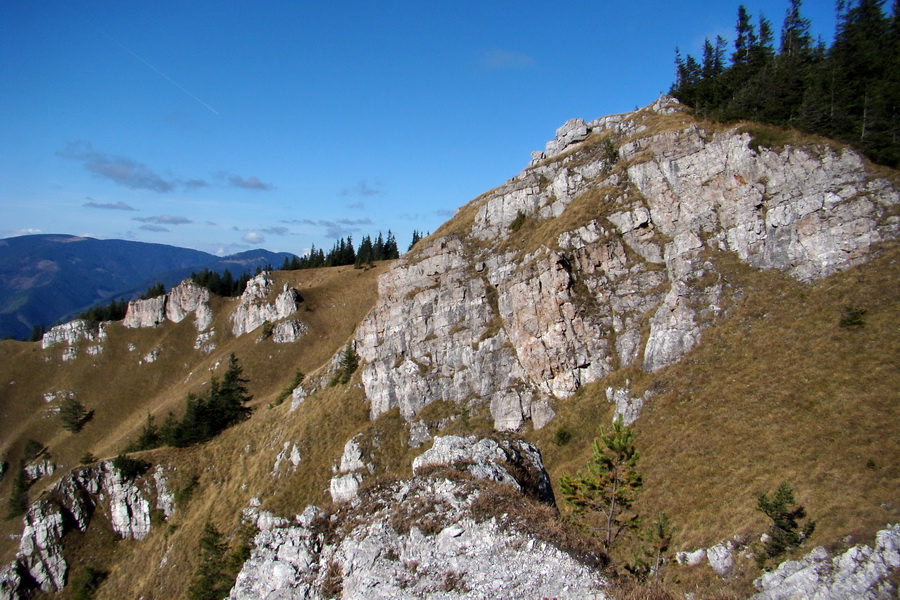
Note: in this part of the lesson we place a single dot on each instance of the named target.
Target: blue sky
(224, 126)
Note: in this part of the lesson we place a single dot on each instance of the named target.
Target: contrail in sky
(163, 75)
(157, 71)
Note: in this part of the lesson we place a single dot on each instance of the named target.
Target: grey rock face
(254, 308)
(502, 461)
(469, 320)
(69, 503)
(414, 539)
(861, 572)
(287, 332)
(290, 453)
(574, 130)
(345, 485)
(145, 313)
(73, 332)
(39, 469)
(628, 408)
(10, 581)
(185, 298)
(182, 300)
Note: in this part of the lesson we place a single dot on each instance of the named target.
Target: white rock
(861, 572)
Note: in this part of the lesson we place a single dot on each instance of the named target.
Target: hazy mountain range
(45, 278)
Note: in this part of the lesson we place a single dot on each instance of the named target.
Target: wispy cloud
(153, 228)
(333, 229)
(248, 183)
(505, 59)
(26, 231)
(108, 205)
(253, 237)
(277, 230)
(118, 169)
(362, 188)
(164, 220)
(193, 184)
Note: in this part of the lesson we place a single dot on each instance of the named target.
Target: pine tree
(795, 38)
(785, 532)
(210, 581)
(609, 483)
(416, 236)
(74, 415)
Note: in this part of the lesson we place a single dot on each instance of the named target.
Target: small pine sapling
(609, 483)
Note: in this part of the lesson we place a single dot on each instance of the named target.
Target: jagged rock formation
(185, 298)
(69, 504)
(415, 539)
(861, 572)
(614, 263)
(345, 484)
(72, 333)
(502, 461)
(254, 308)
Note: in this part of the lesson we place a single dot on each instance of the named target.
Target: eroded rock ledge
(424, 537)
(68, 505)
(598, 257)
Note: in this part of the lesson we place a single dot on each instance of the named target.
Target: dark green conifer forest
(848, 91)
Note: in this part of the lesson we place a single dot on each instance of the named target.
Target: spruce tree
(785, 533)
(609, 483)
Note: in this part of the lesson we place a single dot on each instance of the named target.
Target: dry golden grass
(122, 393)
(777, 391)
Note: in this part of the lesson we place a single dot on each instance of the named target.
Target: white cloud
(254, 238)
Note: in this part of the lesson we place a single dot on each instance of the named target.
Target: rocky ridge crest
(421, 537)
(601, 254)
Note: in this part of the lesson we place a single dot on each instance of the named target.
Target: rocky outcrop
(861, 572)
(182, 300)
(720, 557)
(628, 407)
(69, 504)
(290, 454)
(513, 462)
(601, 255)
(255, 309)
(412, 539)
(345, 484)
(150, 312)
(74, 332)
(189, 298)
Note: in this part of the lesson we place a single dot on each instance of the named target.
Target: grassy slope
(122, 393)
(777, 391)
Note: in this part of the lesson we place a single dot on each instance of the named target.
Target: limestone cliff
(255, 309)
(69, 505)
(185, 298)
(600, 255)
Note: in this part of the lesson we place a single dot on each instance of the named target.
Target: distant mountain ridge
(48, 277)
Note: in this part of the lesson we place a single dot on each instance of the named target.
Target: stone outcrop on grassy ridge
(420, 538)
(254, 309)
(597, 257)
(74, 332)
(69, 504)
(862, 572)
(182, 300)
